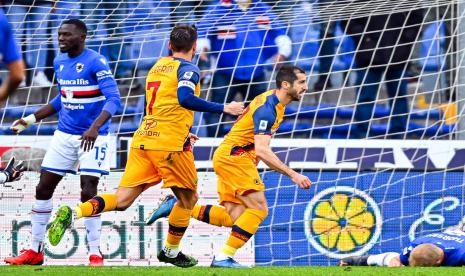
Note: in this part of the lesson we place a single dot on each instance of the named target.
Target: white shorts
(66, 156)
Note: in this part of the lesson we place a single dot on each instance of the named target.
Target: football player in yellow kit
(240, 189)
(160, 148)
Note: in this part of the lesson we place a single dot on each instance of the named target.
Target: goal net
(379, 132)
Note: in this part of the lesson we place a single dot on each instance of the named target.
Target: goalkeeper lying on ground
(12, 172)
(438, 249)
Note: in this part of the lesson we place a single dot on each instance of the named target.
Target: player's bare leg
(41, 212)
(249, 218)
(234, 210)
(211, 214)
(120, 201)
(178, 222)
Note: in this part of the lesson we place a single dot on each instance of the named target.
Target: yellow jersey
(166, 123)
(263, 116)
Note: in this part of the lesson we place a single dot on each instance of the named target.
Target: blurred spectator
(149, 24)
(384, 45)
(30, 21)
(241, 35)
(327, 46)
(62, 10)
(446, 14)
(105, 20)
(10, 54)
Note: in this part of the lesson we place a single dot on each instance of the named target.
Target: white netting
(376, 69)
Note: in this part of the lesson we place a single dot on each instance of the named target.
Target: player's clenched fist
(301, 180)
(23, 123)
(234, 108)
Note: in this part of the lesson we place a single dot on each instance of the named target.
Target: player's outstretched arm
(12, 171)
(188, 80)
(44, 112)
(264, 153)
(188, 100)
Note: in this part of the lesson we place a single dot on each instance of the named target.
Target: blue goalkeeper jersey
(86, 87)
(9, 49)
(451, 242)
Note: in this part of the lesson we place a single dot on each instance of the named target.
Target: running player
(240, 188)
(160, 148)
(88, 97)
(437, 249)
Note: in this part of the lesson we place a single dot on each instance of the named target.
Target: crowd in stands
(240, 44)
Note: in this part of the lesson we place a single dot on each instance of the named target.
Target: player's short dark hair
(79, 24)
(182, 38)
(288, 73)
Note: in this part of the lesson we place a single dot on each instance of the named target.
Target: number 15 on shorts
(100, 153)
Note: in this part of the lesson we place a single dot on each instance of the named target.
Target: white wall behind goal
(125, 238)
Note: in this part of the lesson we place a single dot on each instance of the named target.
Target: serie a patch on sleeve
(263, 125)
(187, 75)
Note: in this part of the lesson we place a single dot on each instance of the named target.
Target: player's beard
(294, 94)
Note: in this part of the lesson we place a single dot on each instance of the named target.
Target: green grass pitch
(205, 271)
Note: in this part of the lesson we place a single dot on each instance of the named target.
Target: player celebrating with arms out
(240, 188)
(160, 148)
(88, 97)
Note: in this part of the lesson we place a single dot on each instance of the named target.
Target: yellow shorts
(237, 175)
(150, 167)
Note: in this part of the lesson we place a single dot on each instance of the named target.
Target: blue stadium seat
(341, 131)
(431, 54)
(306, 45)
(326, 111)
(129, 110)
(39, 129)
(322, 111)
(19, 111)
(124, 127)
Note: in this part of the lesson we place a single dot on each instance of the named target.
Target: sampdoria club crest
(79, 67)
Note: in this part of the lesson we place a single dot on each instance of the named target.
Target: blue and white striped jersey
(86, 87)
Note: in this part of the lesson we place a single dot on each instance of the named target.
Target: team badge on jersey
(150, 123)
(69, 94)
(61, 67)
(79, 67)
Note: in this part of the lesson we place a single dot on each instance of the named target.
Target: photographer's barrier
(368, 197)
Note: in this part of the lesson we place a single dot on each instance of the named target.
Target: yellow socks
(243, 229)
(178, 223)
(212, 214)
(96, 205)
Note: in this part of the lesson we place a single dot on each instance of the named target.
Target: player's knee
(187, 199)
(194, 199)
(261, 205)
